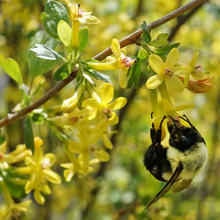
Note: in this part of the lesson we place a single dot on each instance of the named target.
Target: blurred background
(121, 188)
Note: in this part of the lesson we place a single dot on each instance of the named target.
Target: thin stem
(130, 39)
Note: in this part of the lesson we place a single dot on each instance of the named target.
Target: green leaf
(146, 33)
(45, 52)
(55, 12)
(100, 76)
(10, 177)
(160, 41)
(143, 54)
(64, 33)
(64, 71)
(166, 49)
(34, 62)
(83, 39)
(130, 74)
(137, 71)
(12, 68)
(28, 135)
(134, 74)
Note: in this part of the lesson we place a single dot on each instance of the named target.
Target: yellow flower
(166, 71)
(116, 61)
(15, 156)
(195, 71)
(4, 157)
(69, 104)
(200, 86)
(101, 106)
(13, 209)
(79, 17)
(84, 152)
(38, 166)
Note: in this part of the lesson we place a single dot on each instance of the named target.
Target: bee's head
(182, 137)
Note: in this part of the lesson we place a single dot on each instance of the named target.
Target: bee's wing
(167, 187)
(180, 185)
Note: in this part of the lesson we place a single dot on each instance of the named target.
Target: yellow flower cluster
(38, 167)
(89, 124)
(176, 77)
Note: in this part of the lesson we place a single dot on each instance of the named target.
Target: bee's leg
(159, 132)
(188, 121)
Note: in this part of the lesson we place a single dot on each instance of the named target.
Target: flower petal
(102, 66)
(101, 155)
(38, 197)
(194, 59)
(75, 147)
(116, 49)
(175, 84)
(153, 82)
(51, 176)
(45, 189)
(106, 93)
(117, 104)
(156, 64)
(48, 160)
(106, 141)
(90, 104)
(68, 175)
(113, 120)
(172, 58)
(123, 77)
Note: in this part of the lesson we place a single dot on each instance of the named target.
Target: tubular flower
(86, 150)
(101, 106)
(69, 104)
(38, 166)
(116, 61)
(13, 209)
(196, 70)
(166, 71)
(79, 17)
(168, 110)
(15, 156)
(200, 86)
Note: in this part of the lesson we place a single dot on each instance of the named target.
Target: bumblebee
(180, 161)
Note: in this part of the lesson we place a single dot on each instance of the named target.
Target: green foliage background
(121, 188)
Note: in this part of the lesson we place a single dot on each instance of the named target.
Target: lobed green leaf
(143, 54)
(160, 41)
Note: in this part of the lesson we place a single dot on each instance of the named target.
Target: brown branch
(130, 39)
